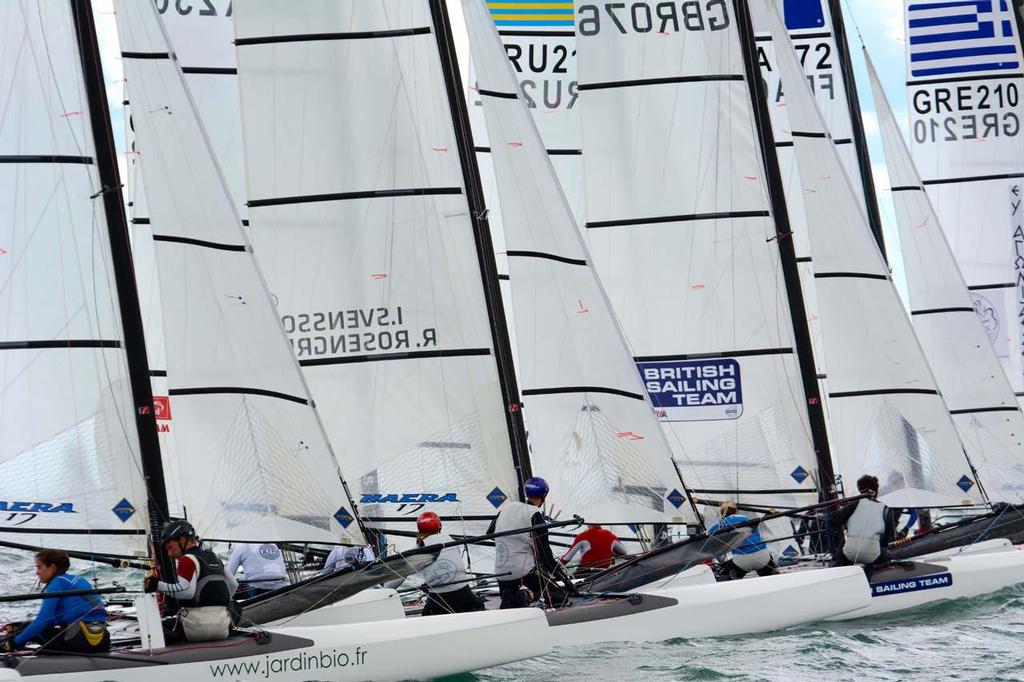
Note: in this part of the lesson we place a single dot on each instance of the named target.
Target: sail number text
(966, 112)
(661, 17)
(203, 8)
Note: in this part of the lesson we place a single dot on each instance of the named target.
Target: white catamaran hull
(362, 607)
(721, 609)
(417, 648)
(966, 575)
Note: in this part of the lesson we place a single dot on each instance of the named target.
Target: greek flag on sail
(961, 37)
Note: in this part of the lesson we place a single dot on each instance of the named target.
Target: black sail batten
(482, 237)
(860, 142)
(123, 271)
(787, 255)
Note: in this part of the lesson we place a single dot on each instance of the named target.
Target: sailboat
(75, 334)
(874, 394)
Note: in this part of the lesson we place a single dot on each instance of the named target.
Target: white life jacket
(514, 556)
(864, 531)
(867, 521)
(447, 569)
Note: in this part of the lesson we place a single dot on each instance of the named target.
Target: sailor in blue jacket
(76, 623)
(752, 555)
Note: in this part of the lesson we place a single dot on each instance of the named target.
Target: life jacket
(448, 572)
(600, 554)
(867, 521)
(514, 555)
(212, 587)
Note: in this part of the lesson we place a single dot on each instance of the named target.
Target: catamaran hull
(385, 650)
(1006, 523)
(362, 607)
(896, 588)
(730, 608)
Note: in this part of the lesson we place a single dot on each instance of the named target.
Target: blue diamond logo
(676, 498)
(799, 474)
(123, 510)
(496, 497)
(343, 517)
(790, 551)
(965, 483)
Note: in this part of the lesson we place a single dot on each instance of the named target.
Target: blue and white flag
(961, 37)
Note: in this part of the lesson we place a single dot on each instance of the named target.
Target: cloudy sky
(880, 22)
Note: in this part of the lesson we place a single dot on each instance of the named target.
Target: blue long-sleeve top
(62, 611)
(752, 544)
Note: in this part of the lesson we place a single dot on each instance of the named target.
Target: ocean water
(976, 639)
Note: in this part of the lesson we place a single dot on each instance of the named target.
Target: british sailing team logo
(693, 390)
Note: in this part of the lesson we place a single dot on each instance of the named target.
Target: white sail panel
(69, 460)
(593, 434)
(252, 461)
(874, 358)
(362, 226)
(686, 249)
(965, 92)
(954, 340)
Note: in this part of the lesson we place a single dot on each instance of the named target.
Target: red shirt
(600, 554)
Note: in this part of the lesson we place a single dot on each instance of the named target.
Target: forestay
(69, 457)
(252, 461)
(593, 434)
(680, 227)
(968, 373)
(885, 408)
(360, 218)
(965, 84)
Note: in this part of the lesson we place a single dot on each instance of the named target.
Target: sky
(880, 22)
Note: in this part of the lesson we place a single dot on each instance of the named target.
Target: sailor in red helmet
(599, 546)
(445, 580)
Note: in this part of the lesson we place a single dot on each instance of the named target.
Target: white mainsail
(680, 227)
(251, 461)
(968, 373)
(593, 434)
(965, 84)
(69, 457)
(816, 33)
(360, 219)
(876, 367)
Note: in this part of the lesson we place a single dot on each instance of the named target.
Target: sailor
(869, 524)
(445, 580)
(264, 568)
(599, 547)
(752, 554)
(521, 558)
(76, 624)
(348, 555)
(203, 590)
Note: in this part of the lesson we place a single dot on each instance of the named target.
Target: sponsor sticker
(694, 390)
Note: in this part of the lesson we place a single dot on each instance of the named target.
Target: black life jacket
(211, 582)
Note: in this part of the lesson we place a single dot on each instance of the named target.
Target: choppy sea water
(976, 639)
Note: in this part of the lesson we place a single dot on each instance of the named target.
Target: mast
(482, 237)
(860, 143)
(787, 254)
(124, 273)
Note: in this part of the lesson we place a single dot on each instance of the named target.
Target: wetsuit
(76, 623)
(751, 555)
(517, 558)
(263, 565)
(599, 547)
(446, 581)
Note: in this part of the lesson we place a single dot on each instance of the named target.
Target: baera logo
(162, 407)
(37, 507)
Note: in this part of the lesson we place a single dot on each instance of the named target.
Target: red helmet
(428, 522)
